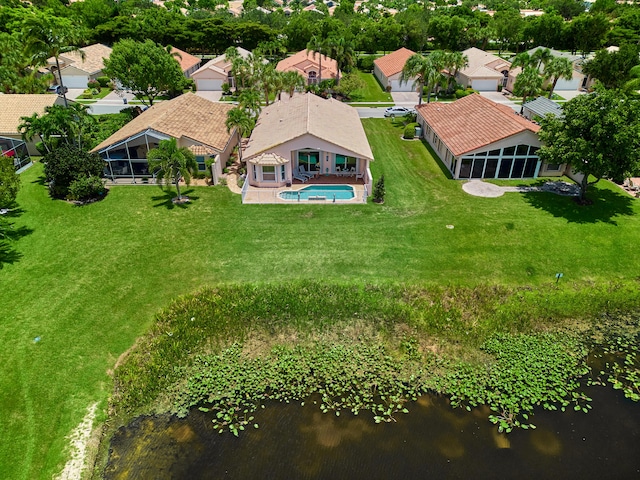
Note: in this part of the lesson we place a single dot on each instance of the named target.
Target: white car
(398, 111)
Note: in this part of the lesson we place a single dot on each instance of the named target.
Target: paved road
(371, 112)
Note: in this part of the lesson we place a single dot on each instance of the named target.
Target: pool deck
(272, 195)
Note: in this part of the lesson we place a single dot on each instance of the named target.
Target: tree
(67, 164)
(69, 125)
(350, 83)
(171, 163)
(613, 69)
(292, 81)
(423, 70)
(454, 62)
(587, 32)
(9, 182)
(146, 69)
(557, 68)
(341, 50)
(48, 36)
(242, 121)
(528, 83)
(379, 190)
(541, 56)
(317, 45)
(599, 137)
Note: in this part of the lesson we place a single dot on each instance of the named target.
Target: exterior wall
(189, 71)
(463, 80)
(380, 76)
(255, 176)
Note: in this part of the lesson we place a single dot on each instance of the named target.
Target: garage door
(208, 85)
(75, 81)
(485, 85)
(404, 87)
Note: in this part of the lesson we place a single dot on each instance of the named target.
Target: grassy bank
(89, 280)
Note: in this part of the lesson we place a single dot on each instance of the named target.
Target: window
(201, 164)
(282, 173)
(465, 168)
(553, 167)
(522, 150)
(269, 173)
(309, 160)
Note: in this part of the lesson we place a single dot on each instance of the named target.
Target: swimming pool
(320, 192)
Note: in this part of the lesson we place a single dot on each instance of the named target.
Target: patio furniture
(299, 177)
(305, 173)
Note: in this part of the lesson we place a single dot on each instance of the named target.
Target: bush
(95, 91)
(103, 81)
(93, 85)
(379, 191)
(226, 88)
(365, 63)
(66, 164)
(86, 188)
(410, 131)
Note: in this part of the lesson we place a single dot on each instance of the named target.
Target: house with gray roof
(540, 107)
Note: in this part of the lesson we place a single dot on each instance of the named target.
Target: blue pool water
(341, 192)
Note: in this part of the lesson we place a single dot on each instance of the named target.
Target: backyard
(87, 281)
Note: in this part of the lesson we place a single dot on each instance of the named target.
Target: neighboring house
(485, 71)
(12, 109)
(540, 107)
(579, 80)
(307, 64)
(388, 70)
(214, 73)
(323, 137)
(196, 123)
(477, 138)
(188, 63)
(77, 72)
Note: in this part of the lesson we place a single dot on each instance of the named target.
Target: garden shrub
(86, 188)
(103, 81)
(93, 85)
(409, 131)
(379, 191)
(365, 63)
(66, 164)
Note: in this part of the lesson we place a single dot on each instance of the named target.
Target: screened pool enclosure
(16, 149)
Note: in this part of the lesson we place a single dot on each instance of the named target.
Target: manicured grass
(88, 280)
(373, 92)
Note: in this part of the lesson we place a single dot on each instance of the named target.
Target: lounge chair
(299, 177)
(303, 171)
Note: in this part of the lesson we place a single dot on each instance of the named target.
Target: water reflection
(432, 441)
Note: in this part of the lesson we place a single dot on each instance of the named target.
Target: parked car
(57, 89)
(398, 111)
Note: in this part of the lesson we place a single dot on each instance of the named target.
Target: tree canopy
(598, 137)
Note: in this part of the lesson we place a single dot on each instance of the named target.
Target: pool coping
(262, 195)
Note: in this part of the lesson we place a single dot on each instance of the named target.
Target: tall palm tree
(251, 101)
(317, 45)
(341, 50)
(557, 68)
(438, 59)
(171, 163)
(528, 83)
(232, 55)
(47, 36)
(455, 61)
(522, 60)
(541, 56)
(33, 126)
(266, 77)
(291, 81)
(239, 119)
(423, 71)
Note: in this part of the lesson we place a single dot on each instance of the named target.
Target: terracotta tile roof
(329, 120)
(473, 122)
(187, 60)
(93, 62)
(13, 107)
(302, 61)
(394, 62)
(187, 116)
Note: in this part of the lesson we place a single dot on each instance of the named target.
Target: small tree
(9, 182)
(379, 191)
(67, 164)
(349, 84)
(171, 164)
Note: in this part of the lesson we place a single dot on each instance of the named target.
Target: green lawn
(88, 280)
(373, 92)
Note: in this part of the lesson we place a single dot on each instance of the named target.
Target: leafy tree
(242, 121)
(567, 8)
(545, 30)
(599, 137)
(144, 68)
(540, 57)
(557, 68)
(528, 83)
(508, 26)
(587, 32)
(171, 163)
(9, 182)
(67, 164)
(613, 69)
(48, 36)
(350, 83)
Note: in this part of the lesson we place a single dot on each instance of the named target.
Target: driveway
(498, 97)
(406, 99)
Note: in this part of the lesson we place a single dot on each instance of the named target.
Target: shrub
(86, 188)
(379, 191)
(103, 81)
(95, 91)
(365, 63)
(68, 163)
(226, 88)
(409, 132)
(93, 84)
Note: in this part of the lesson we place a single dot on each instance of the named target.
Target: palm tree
(455, 61)
(171, 163)
(239, 119)
(522, 60)
(423, 71)
(528, 83)
(32, 126)
(317, 45)
(266, 76)
(292, 81)
(557, 68)
(541, 56)
(438, 59)
(251, 101)
(47, 36)
(341, 50)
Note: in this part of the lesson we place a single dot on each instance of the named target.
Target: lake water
(433, 441)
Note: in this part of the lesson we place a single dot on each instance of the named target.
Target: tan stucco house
(388, 70)
(478, 138)
(323, 138)
(484, 72)
(76, 71)
(12, 108)
(196, 123)
(308, 65)
(211, 75)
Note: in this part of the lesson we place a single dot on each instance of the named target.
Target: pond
(432, 441)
